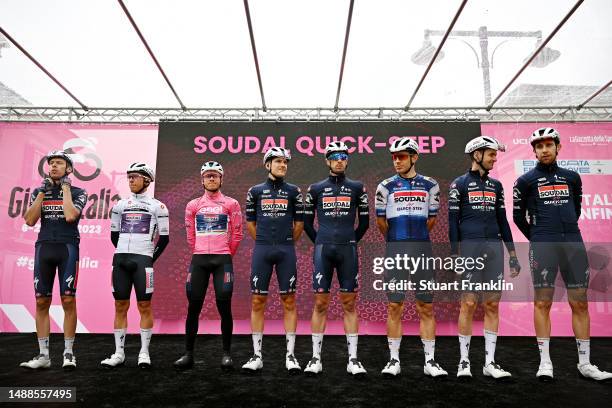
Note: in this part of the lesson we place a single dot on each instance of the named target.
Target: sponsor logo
(133, 217)
(600, 140)
(209, 209)
(274, 204)
(559, 190)
(583, 167)
(481, 197)
(363, 199)
(53, 205)
(409, 196)
(330, 203)
(149, 282)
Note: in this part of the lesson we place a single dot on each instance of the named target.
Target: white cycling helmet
(59, 154)
(141, 168)
(404, 144)
(276, 152)
(544, 133)
(211, 165)
(336, 147)
(484, 142)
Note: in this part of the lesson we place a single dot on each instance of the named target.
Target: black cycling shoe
(226, 362)
(184, 362)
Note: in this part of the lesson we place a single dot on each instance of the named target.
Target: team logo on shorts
(557, 190)
(149, 287)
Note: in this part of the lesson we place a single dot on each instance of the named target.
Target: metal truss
(155, 115)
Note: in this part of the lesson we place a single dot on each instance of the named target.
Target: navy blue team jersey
(53, 225)
(476, 210)
(336, 202)
(407, 203)
(552, 196)
(275, 206)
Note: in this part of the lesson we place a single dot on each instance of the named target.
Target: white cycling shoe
(591, 372)
(314, 366)
(392, 369)
(255, 363)
(494, 370)
(115, 360)
(40, 361)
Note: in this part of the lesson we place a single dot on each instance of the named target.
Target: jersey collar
(547, 167)
(408, 178)
(213, 196)
(476, 173)
(139, 196)
(337, 179)
(275, 183)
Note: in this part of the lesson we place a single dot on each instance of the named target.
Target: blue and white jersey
(407, 204)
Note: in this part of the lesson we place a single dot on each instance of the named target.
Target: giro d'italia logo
(78, 158)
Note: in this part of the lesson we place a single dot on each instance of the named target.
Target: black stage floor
(207, 385)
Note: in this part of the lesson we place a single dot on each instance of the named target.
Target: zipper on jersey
(274, 211)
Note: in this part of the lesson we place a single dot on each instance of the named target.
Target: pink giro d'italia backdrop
(587, 149)
(102, 152)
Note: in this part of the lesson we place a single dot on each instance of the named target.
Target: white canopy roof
(204, 49)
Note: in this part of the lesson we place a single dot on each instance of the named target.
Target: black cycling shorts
(132, 270)
(342, 258)
(282, 258)
(566, 253)
(52, 256)
(200, 270)
(487, 264)
(419, 275)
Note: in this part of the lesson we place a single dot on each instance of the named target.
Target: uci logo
(77, 158)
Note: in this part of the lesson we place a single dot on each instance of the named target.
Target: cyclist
(135, 222)
(477, 226)
(213, 223)
(275, 220)
(336, 201)
(58, 205)
(552, 196)
(406, 208)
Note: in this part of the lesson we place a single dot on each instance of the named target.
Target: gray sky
(205, 50)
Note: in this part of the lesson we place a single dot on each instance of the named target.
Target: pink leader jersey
(214, 224)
